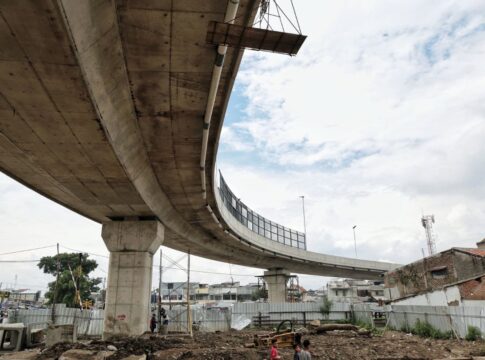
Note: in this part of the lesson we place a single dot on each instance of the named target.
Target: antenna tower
(427, 221)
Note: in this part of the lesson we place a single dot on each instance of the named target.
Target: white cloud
(380, 117)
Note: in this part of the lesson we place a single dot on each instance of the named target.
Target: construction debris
(12, 337)
(60, 334)
(329, 345)
(331, 327)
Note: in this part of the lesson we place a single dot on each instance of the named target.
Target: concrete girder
(137, 130)
(98, 49)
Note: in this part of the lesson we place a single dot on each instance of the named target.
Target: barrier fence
(456, 319)
(88, 322)
(267, 314)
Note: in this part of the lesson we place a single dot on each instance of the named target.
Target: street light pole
(355, 241)
(304, 218)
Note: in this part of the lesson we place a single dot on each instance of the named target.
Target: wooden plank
(253, 38)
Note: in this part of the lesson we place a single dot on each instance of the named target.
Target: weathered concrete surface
(60, 333)
(21, 355)
(17, 335)
(101, 110)
(275, 280)
(131, 245)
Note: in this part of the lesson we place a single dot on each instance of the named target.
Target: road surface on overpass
(102, 106)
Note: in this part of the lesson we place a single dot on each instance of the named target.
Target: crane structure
(427, 221)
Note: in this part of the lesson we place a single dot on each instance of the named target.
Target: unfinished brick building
(456, 266)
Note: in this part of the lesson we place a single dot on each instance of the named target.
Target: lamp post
(304, 218)
(355, 241)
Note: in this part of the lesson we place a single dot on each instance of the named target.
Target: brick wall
(434, 272)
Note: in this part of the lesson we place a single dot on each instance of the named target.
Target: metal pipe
(216, 77)
(355, 240)
(304, 217)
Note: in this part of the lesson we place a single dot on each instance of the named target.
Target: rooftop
(473, 251)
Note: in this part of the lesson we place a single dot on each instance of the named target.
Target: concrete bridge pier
(276, 280)
(131, 245)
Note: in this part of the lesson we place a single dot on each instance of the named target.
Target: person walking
(305, 353)
(153, 323)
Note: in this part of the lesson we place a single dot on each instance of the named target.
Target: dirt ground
(337, 345)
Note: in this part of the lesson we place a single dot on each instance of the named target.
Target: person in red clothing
(274, 351)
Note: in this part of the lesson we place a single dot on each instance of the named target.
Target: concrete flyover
(103, 107)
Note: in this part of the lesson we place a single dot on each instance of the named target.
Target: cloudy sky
(379, 119)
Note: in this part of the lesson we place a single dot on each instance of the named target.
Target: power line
(19, 261)
(81, 251)
(27, 250)
(209, 272)
(178, 267)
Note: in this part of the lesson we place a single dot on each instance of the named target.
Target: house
(314, 296)
(355, 291)
(451, 277)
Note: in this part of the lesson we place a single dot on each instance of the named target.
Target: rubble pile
(331, 345)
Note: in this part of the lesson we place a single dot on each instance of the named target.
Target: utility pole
(355, 240)
(304, 218)
(53, 310)
(189, 313)
(160, 294)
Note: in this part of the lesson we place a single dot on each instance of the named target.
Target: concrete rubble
(238, 345)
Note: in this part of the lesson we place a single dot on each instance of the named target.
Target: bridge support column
(276, 280)
(131, 245)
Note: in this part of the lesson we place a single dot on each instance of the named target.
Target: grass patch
(473, 333)
(426, 330)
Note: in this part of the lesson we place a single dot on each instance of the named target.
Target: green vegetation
(367, 326)
(473, 333)
(326, 307)
(259, 293)
(426, 330)
(80, 266)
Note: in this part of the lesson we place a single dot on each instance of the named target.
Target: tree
(259, 293)
(326, 307)
(81, 267)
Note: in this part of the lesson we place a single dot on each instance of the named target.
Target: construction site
(331, 345)
(112, 115)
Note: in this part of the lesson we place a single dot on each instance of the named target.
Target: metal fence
(457, 319)
(298, 313)
(88, 322)
(205, 319)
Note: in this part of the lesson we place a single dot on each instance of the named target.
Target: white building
(355, 291)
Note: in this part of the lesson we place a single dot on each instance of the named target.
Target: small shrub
(422, 328)
(473, 333)
(426, 330)
(326, 307)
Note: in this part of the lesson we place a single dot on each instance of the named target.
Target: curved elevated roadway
(102, 107)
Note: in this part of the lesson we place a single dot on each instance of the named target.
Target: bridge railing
(257, 223)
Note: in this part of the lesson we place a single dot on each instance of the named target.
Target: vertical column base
(127, 309)
(132, 245)
(276, 280)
